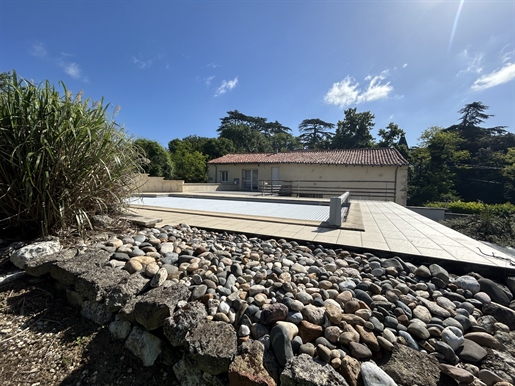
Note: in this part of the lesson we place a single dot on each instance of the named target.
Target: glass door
(250, 179)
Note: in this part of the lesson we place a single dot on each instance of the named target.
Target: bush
(474, 207)
(62, 160)
(159, 163)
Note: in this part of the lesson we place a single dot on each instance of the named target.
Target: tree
(473, 114)
(285, 142)
(218, 147)
(159, 163)
(315, 133)
(391, 135)
(246, 139)
(190, 165)
(274, 128)
(354, 131)
(434, 165)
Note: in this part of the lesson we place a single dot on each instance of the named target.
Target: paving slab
(387, 227)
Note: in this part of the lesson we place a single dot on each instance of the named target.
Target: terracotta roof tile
(359, 157)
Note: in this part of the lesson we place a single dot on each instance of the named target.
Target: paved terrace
(385, 228)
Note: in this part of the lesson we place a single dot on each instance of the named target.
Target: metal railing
(363, 189)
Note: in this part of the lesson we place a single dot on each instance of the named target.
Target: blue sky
(176, 67)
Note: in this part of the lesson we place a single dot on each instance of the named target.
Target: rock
(247, 368)
(152, 308)
(303, 370)
(409, 367)
(41, 264)
(281, 344)
(368, 338)
(419, 330)
(95, 311)
(21, 256)
(439, 275)
(460, 375)
(484, 339)
(373, 375)
(67, 271)
(447, 352)
(470, 351)
(143, 345)
(212, 346)
(120, 329)
(469, 283)
(120, 295)
(182, 320)
(274, 313)
(360, 351)
(453, 337)
(423, 272)
(495, 291)
(502, 314)
(188, 374)
(313, 314)
(159, 278)
(97, 283)
(489, 377)
(309, 331)
(351, 370)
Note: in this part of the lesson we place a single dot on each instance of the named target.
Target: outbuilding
(375, 174)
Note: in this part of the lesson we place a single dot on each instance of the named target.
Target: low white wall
(435, 214)
(148, 184)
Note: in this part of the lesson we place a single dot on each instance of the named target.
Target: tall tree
(285, 142)
(218, 147)
(434, 165)
(315, 133)
(190, 165)
(354, 131)
(391, 135)
(159, 163)
(473, 114)
(246, 139)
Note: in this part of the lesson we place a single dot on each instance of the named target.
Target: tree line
(463, 161)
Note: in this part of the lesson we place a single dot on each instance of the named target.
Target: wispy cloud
(213, 65)
(405, 65)
(473, 62)
(347, 92)
(209, 80)
(39, 50)
(73, 70)
(502, 75)
(226, 85)
(144, 63)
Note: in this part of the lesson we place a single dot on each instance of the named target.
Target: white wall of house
(361, 179)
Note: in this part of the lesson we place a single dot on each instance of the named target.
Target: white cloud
(73, 70)
(405, 65)
(347, 92)
(495, 78)
(208, 80)
(226, 85)
(39, 50)
(474, 62)
(143, 64)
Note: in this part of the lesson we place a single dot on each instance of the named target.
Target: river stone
(422, 313)
(303, 370)
(419, 330)
(274, 313)
(495, 291)
(373, 375)
(423, 272)
(502, 314)
(484, 339)
(360, 351)
(281, 344)
(453, 336)
(313, 314)
(471, 352)
(460, 375)
(211, 346)
(469, 283)
(439, 273)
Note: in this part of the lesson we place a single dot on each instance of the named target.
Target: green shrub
(159, 163)
(474, 207)
(62, 160)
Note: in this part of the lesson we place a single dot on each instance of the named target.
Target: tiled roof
(359, 157)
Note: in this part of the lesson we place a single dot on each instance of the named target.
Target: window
(224, 176)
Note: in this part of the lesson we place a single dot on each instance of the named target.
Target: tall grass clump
(62, 159)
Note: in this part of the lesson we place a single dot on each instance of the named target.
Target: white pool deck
(388, 227)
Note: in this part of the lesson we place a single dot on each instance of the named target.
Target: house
(375, 174)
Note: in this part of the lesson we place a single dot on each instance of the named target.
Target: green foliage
(246, 139)
(190, 165)
(316, 133)
(61, 159)
(159, 162)
(475, 207)
(391, 135)
(433, 167)
(354, 131)
(218, 147)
